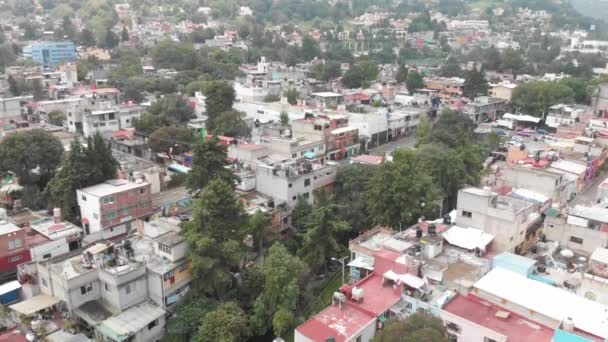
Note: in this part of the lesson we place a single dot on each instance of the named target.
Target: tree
(453, 129)
(310, 48)
(279, 298)
(400, 192)
(360, 74)
(13, 86)
(37, 90)
(173, 108)
(475, 84)
(69, 30)
(56, 117)
(418, 327)
(292, 96)
(172, 139)
(32, 155)
(511, 61)
(83, 167)
(414, 81)
(87, 38)
(175, 55)
(111, 39)
(124, 35)
(231, 123)
(184, 323)
(219, 98)
(214, 235)
(579, 88)
(351, 184)
(423, 131)
(208, 162)
(226, 323)
(535, 98)
(301, 212)
(322, 228)
(401, 73)
(258, 226)
(284, 118)
(451, 68)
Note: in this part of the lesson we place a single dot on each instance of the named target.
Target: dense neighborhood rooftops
(342, 323)
(122, 326)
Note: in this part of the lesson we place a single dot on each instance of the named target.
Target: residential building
(562, 115)
(446, 87)
(485, 108)
(50, 54)
(546, 182)
(582, 229)
(52, 236)
(13, 108)
(341, 140)
(141, 323)
(326, 99)
(285, 180)
(502, 90)
(13, 248)
(107, 209)
(509, 219)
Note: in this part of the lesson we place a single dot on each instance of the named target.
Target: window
(106, 286)
(307, 182)
(487, 339)
(15, 258)
(169, 275)
(358, 339)
(152, 324)
(467, 214)
(130, 287)
(109, 199)
(290, 185)
(142, 190)
(452, 338)
(124, 211)
(306, 195)
(576, 240)
(44, 283)
(183, 267)
(453, 327)
(111, 215)
(294, 155)
(12, 244)
(84, 198)
(86, 289)
(144, 205)
(46, 256)
(293, 198)
(164, 248)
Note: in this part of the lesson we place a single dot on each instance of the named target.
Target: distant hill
(594, 8)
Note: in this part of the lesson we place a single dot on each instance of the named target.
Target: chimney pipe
(57, 215)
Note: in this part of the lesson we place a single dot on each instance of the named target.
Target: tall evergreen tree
(214, 234)
(475, 84)
(124, 35)
(401, 73)
(208, 162)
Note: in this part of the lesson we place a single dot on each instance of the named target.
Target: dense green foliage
(418, 327)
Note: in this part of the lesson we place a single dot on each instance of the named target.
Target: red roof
(123, 134)
(385, 260)
(378, 297)
(13, 335)
(515, 327)
(340, 323)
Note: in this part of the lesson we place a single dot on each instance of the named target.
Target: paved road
(589, 195)
(409, 141)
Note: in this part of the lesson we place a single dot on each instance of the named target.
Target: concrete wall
(543, 182)
(90, 209)
(155, 289)
(151, 335)
(556, 229)
(50, 248)
(117, 296)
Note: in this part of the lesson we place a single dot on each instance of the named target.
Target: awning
(9, 287)
(407, 279)
(362, 262)
(467, 238)
(34, 304)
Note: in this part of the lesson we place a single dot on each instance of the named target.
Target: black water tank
(432, 229)
(418, 232)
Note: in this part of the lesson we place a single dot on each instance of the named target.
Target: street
(409, 141)
(589, 195)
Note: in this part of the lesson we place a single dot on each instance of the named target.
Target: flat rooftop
(494, 317)
(7, 228)
(342, 323)
(557, 304)
(111, 187)
(130, 321)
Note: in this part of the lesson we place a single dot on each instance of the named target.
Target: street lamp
(342, 261)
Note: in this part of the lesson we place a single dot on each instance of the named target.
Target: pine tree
(475, 84)
(208, 162)
(124, 34)
(401, 74)
(13, 86)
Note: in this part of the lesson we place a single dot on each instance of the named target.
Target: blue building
(49, 54)
(9, 292)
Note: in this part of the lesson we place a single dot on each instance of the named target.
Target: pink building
(107, 209)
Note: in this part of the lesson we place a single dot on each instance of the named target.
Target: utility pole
(343, 262)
